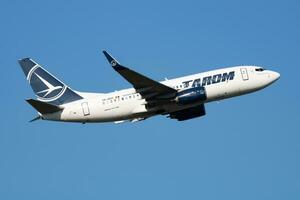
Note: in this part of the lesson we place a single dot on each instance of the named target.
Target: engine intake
(191, 95)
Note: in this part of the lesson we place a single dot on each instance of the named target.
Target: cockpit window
(259, 69)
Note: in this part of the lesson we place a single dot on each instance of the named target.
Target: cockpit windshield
(260, 69)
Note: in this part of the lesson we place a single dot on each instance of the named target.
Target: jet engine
(191, 95)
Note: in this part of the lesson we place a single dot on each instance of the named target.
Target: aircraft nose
(274, 76)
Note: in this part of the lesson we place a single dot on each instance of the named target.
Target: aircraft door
(85, 108)
(244, 73)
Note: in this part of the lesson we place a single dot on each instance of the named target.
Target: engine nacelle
(189, 113)
(191, 95)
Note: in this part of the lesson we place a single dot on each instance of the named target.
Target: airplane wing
(148, 88)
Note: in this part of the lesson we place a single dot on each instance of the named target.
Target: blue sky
(245, 148)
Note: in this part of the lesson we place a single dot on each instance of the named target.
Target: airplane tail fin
(47, 87)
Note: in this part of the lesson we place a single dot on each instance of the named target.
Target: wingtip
(114, 63)
(108, 56)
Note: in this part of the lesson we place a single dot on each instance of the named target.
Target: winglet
(114, 63)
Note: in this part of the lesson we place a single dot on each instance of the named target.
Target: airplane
(181, 98)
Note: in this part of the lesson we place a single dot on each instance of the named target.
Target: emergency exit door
(244, 73)
(85, 108)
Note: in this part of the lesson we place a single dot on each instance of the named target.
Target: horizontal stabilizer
(36, 118)
(43, 107)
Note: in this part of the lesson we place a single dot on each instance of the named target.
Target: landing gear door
(85, 108)
(244, 73)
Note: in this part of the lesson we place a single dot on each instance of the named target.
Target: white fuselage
(128, 105)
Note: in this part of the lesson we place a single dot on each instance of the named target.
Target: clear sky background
(244, 148)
